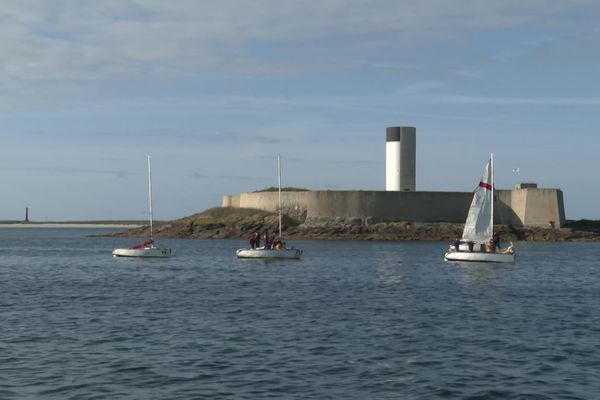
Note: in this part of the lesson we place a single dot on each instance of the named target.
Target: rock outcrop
(239, 223)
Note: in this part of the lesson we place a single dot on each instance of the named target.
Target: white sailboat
(278, 251)
(147, 247)
(477, 243)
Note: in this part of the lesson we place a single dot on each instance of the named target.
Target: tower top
(394, 133)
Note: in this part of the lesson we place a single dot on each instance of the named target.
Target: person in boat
(510, 249)
(277, 244)
(255, 240)
(471, 244)
(271, 241)
(456, 244)
(258, 240)
(267, 240)
(490, 246)
(496, 239)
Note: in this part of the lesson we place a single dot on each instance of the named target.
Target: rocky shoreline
(239, 223)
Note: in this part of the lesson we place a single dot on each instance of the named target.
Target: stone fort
(525, 205)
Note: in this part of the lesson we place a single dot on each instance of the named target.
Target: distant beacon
(400, 158)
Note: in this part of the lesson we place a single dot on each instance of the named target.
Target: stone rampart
(515, 207)
(531, 207)
(231, 201)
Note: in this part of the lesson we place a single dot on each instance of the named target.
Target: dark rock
(238, 223)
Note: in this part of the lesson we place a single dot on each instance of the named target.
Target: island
(240, 223)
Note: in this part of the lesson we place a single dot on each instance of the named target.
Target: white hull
(143, 252)
(477, 256)
(272, 254)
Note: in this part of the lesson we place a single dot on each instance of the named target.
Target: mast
(279, 190)
(150, 193)
(492, 181)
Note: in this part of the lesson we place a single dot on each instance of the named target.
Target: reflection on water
(474, 272)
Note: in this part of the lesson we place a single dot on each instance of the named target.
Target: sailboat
(147, 247)
(477, 242)
(279, 250)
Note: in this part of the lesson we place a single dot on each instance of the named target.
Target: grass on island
(283, 189)
(232, 216)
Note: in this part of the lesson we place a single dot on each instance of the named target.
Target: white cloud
(508, 101)
(71, 51)
(75, 40)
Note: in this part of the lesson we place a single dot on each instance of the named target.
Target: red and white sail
(479, 224)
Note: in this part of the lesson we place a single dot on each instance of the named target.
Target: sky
(214, 90)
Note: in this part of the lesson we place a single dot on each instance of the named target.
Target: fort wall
(535, 207)
(231, 201)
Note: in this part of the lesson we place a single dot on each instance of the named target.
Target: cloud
(186, 135)
(95, 41)
(73, 52)
(240, 177)
(67, 170)
(332, 186)
(542, 101)
(197, 175)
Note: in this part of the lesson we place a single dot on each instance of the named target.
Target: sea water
(351, 320)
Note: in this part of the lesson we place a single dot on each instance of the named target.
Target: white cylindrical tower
(400, 158)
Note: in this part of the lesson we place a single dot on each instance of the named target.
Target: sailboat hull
(154, 252)
(479, 257)
(269, 254)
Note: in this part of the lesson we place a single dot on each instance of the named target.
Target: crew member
(496, 239)
(456, 244)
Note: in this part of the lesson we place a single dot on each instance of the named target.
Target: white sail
(479, 224)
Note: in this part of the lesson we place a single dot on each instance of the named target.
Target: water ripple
(351, 320)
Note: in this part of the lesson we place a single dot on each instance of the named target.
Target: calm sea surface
(351, 320)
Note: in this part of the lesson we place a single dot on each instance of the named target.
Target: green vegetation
(229, 213)
(230, 216)
(283, 189)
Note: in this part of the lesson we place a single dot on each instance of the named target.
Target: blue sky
(214, 90)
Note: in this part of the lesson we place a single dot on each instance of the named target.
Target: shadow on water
(268, 261)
